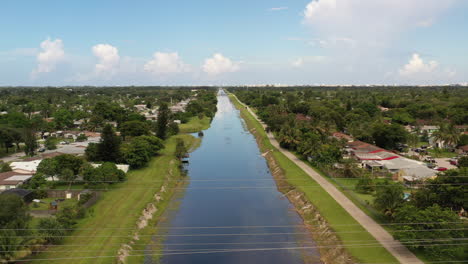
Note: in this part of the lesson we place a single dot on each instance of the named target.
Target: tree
(134, 128)
(173, 129)
(92, 152)
(447, 134)
(68, 161)
(63, 118)
(448, 191)
(5, 167)
(163, 119)
(388, 136)
(180, 150)
(6, 139)
(50, 230)
(365, 185)
(67, 175)
(30, 141)
(109, 146)
(155, 144)
(463, 162)
(434, 223)
(389, 197)
(14, 225)
(48, 168)
(50, 143)
(137, 153)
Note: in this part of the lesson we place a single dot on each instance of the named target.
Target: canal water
(231, 211)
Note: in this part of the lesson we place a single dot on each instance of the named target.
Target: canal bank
(355, 238)
(231, 210)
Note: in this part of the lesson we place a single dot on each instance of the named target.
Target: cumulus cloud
(166, 63)
(370, 22)
(51, 54)
(108, 57)
(416, 65)
(219, 64)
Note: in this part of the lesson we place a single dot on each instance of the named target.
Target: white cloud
(370, 22)
(165, 63)
(298, 62)
(416, 65)
(52, 53)
(278, 8)
(108, 57)
(219, 64)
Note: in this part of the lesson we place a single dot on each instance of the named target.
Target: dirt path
(398, 250)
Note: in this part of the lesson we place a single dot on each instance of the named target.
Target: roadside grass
(195, 125)
(441, 153)
(348, 229)
(111, 222)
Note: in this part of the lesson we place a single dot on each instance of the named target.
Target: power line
(254, 234)
(233, 227)
(234, 187)
(254, 243)
(210, 252)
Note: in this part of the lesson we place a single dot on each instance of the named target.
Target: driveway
(398, 250)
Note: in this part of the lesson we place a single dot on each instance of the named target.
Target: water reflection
(234, 225)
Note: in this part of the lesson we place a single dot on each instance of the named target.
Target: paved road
(398, 250)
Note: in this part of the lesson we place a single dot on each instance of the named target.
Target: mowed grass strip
(119, 207)
(337, 217)
(195, 124)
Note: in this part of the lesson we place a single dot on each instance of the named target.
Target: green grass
(441, 153)
(335, 215)
(44, 205)
(119, 208)
(195, 125)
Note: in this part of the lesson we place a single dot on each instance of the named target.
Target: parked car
(429, 159)
(454, 161)
(441, 169)
(42, 150)
(431, 165)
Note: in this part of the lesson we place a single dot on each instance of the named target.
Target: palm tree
(447, 134)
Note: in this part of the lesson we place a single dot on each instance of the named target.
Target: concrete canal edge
(313, 219)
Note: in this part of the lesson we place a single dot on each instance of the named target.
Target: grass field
(195, 124)
(336, 216)
(112, 220)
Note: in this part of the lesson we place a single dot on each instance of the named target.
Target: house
(429, 129)
(11, 180)
(372, 157)
(140, 107)
(462, 150)
(342, 136)
(25, 167)
(26, 195)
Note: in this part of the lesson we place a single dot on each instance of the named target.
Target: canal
(231, 211)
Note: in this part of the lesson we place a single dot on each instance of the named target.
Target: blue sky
(233, 42)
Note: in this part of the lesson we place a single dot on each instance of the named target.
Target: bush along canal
(231, 210)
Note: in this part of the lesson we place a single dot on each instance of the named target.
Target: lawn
(195, 125)
(441, 153)
(336, 216)
(44, 204)
(112, 220)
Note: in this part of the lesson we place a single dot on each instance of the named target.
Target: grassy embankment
(348, 229)
(195, 124)
(112, 220)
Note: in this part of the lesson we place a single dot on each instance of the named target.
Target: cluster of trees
(136, 151)
(430, 215)
(203, 105)
(16, 234)
(355, 110)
